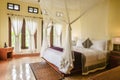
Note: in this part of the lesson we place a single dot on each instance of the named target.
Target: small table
(114, 60)
(6, 53)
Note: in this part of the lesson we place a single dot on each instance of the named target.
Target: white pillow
(79, 43)
(99, 45)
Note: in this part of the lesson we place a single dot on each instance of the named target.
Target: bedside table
(6, 53)
(114, 59)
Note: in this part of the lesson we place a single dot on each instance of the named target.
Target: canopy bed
(86, 60)
(71, 59)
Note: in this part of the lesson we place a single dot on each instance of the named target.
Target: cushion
(79, 43)
(57, 48)
(87, 43)
(99, 45)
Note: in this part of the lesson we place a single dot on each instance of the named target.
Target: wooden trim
(55, 68)
(24, 16)
(9, 31)
(51, 37)
(72, 72)
(23, 36)
(41, 32)
(35, 38)
(26, 55)
(61, 39)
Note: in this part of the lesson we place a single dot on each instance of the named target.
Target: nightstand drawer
(114, 59)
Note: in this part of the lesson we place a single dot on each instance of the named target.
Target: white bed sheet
(92, 56)
(53, 56)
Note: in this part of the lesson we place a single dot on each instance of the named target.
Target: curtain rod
(23, 15)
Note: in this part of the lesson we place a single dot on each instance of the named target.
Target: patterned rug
(43, 71)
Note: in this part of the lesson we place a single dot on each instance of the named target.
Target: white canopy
(67, 12)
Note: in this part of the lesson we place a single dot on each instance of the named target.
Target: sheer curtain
(69, 12)
(48, 33)
(31, 24)
(45, 42)
(17, 22)
(67, 61)
(58, 30)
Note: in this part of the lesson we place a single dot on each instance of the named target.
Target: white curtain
(49, 26)
(31, 24)
(17, 22)
(48, 34)
(58, 30)
(67, 61)
(45, 41)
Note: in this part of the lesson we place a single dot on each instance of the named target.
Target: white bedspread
(53, 56)
(92, 56)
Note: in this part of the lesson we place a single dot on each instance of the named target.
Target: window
(12, 6)
(49, 35)
(57, 35)
(32, 10)
(24, 36)
(54, 35)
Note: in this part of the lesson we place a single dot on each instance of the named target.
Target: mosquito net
(66, 12)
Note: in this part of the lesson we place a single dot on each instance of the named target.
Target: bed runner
(42, 71)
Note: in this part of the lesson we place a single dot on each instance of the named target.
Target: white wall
(93, 24)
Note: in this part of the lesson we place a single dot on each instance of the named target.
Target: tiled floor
(19, 69)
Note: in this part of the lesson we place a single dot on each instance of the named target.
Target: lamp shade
(116, 40)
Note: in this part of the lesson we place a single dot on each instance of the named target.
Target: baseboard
(26, 55)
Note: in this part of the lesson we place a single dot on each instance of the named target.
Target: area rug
(43, 71)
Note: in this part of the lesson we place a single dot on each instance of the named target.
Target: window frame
(23, 36)
(33, 10)
(13, 6)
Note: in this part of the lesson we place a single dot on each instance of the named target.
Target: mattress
(53, 56)
(92, 56)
